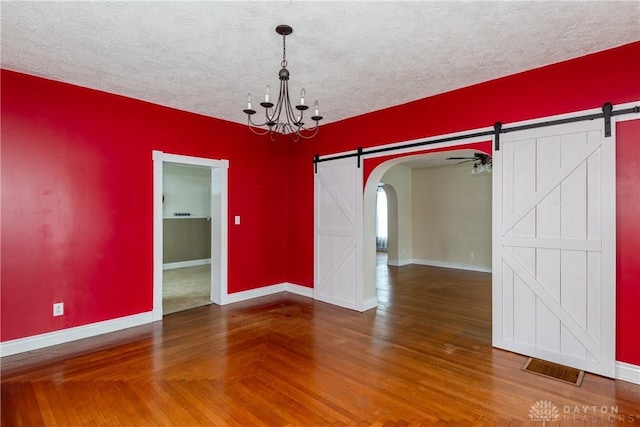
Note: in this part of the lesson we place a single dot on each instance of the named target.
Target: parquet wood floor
(423, 357)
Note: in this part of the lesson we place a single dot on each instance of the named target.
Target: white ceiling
(354, 57)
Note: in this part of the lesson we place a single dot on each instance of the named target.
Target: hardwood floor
(423, 357)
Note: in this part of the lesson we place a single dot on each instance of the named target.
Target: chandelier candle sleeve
(281, 116)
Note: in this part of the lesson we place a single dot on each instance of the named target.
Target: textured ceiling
(354, 57)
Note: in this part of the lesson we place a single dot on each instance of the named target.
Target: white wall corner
(369, 303)
(48, 339)
(628, 372)
(298, 289)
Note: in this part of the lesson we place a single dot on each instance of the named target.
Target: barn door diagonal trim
(552, 182)
(556, 308)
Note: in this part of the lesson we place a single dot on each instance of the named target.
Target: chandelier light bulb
(249, 101)
(317, 108)
(302, 97)
(266, 95)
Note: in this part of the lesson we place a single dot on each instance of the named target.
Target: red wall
(579, 84)
(77, 185)
(628, 240)
(77, 202)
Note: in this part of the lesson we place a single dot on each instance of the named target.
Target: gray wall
(186, 239)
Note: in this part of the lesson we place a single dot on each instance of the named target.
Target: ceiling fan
(482, 162)
(478, 157)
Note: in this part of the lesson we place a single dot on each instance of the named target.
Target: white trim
(417, 150)
(299, 290)
(364, 306)
(269, 290)
(455, 265)
(255, 293)
(625, 117)
(399, 263)
(182, 264)
(628, 372)
(219, 225)
(369, 303)
(35, 342)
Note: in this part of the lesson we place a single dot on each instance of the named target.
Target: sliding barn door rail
(498, 128)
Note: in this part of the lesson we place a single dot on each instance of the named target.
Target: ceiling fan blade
(461, 158)
(465, 161)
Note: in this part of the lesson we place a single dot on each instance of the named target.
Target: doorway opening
(187, 238)
(438, 215)
(190, 207)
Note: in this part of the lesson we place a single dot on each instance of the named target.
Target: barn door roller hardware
(606, 114)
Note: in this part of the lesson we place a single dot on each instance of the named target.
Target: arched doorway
(400, 235)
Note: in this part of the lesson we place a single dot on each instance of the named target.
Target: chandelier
(282, 117)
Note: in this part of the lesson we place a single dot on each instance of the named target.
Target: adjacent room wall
(400, 235)
(451, 216)
(186, 207)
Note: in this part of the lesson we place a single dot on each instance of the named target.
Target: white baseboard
(628, 372)
(182, 264)
(269, 290)
(399, 263)
(62, 336)
(366, 305)
(299, 290)
(455, 265)
(370, 303)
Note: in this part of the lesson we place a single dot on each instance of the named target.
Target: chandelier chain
(284, 51)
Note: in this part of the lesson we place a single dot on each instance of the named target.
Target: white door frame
(219, 225)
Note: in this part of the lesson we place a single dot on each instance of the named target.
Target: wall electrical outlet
(58, 309)
(471, 255)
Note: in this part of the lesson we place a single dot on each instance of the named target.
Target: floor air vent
(555, 371)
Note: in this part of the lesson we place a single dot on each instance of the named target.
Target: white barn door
(338, 266)
(554, 245)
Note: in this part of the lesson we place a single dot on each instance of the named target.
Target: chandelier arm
(256, 129)
(257, 132)
(310, 132)
(251, 123)
(292, 120)
(283, 101)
